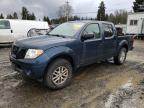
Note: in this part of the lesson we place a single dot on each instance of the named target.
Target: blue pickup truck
(54, 57)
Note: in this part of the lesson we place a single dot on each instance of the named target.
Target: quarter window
(108, 30)
(93, 29)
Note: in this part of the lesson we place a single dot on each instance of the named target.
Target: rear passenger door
(110, 40)
(92, 48)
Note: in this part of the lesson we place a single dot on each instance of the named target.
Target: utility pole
(67, 10)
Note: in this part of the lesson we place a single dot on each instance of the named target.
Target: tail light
(132, 40)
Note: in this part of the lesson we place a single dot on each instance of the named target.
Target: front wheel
(121, 57)
(59, 74)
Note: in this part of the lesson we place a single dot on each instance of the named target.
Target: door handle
(11, 31)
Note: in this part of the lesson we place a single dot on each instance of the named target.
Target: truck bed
(129, 39)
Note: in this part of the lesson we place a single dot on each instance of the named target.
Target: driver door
(92, 48)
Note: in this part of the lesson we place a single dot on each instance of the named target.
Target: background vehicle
(54, 57)
(122, 26)
(37, 32)
(53, 26)
(11, 30)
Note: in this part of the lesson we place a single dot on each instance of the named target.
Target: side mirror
(87, 36)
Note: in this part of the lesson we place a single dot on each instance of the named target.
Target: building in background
(135, 24)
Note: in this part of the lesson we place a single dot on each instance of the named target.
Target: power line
(94, 12)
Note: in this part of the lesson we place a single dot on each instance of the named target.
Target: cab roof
(90, 21)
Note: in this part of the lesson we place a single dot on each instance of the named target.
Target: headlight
(33, 53)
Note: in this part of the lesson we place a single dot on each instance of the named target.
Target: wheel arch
(123, 44)
(61, 56)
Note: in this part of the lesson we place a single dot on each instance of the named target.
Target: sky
(50, 7)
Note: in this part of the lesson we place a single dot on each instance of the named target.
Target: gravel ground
(102, 85)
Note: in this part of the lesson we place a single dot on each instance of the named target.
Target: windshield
(67, 29)
(4, 25)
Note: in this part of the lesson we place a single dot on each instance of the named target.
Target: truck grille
(18, 53)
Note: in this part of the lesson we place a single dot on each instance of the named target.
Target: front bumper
(30, 68)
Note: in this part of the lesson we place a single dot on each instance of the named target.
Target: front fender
(54, 52)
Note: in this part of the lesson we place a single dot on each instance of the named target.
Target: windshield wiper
(57, 35)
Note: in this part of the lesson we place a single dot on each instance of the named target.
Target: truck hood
(42, 42)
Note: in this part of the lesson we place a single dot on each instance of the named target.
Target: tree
(1, 16)
(15, 16)
(111, 18)
(44, 19)
(101, 12)
(118, 17)
(55, 21)
(31, 16)
(74, 18)
(106, 17)
(25, 13)
(9, 16)
(82, 18)
(137, 6)
(139, 1)
(47, 20)
(64, 12)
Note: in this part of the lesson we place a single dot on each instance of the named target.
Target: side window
(4, 25)
(108, 30)
(93, 29)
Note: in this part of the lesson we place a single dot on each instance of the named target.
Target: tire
(121, 57)
(55, 78)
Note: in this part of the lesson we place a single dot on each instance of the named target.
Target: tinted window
(4, 25)
(93, 29)
(108, 30)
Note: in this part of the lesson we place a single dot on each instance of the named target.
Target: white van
(11, 30)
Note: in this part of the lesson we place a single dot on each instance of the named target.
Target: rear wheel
(121, 57)
(59, 74)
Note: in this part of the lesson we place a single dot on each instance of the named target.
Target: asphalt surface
(101, 85)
